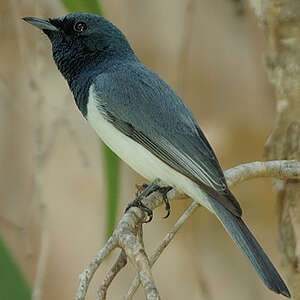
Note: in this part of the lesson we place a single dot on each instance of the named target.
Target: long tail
(240, 233)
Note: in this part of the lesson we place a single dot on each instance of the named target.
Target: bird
(144, 121)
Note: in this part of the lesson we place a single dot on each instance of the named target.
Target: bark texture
(281, 20)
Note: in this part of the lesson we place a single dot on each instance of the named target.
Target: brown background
(223, 81)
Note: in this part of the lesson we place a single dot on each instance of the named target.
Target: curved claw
(150, 215)
(164, 191)
(168, 209)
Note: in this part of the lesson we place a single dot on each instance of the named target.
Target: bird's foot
(163, 190)
(147, 191)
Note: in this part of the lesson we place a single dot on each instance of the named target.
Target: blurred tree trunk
(281, 20)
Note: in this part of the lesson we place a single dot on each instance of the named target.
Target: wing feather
(146, 109)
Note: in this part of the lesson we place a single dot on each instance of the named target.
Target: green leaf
(13, 285)
(112, 167)
(91, 6)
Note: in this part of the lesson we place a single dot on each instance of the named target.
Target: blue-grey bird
(140, 117)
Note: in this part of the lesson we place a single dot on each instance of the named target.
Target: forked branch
(128, 234)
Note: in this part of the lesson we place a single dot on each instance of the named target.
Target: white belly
(139, 158)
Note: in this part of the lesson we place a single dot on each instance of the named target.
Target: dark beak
(40, 23)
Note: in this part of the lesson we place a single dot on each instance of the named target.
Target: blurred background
(52, 183)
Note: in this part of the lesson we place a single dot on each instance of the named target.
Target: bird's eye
(80, 26)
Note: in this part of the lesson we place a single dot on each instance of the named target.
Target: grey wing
(141, 105)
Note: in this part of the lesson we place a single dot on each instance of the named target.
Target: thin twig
(280, 169)
(136, 253)
(87, 275)
(116, 268)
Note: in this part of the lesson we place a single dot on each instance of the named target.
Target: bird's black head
(82, 42)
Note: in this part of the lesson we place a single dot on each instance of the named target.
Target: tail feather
(240, 233)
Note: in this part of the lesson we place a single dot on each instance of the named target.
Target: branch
(119, 264)
(128, 233)
(164, 243)
(280, 169)
(128, 237)
(88, 273)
